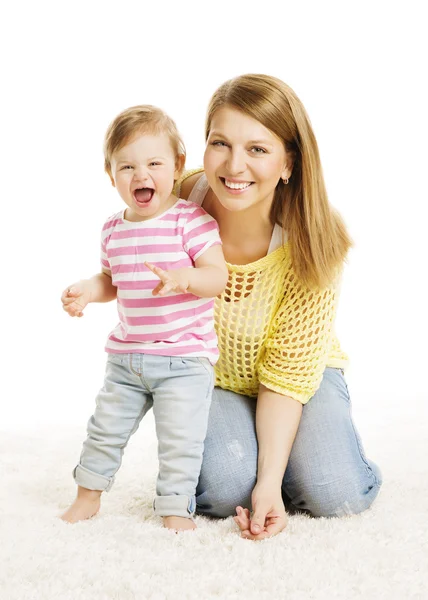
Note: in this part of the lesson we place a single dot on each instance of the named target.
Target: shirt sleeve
(298, 348)
(105, 236)
(200, 232)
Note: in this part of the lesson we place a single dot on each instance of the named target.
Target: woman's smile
(234, 186)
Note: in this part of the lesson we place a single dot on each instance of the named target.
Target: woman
(280, 425)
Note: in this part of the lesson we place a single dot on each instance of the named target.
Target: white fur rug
(125, 554)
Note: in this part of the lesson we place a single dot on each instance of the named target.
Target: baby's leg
(181, 406)
(120, 405)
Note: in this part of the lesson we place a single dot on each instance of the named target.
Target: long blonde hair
(317, 236)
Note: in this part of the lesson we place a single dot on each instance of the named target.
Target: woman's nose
(236, 162)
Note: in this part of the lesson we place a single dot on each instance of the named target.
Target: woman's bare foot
(86, 505)
(178, 523)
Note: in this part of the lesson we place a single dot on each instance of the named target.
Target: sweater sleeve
(298, 347)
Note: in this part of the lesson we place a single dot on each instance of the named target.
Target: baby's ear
(111, 177)
(179, 165)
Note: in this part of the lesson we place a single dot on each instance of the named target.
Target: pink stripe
(204, 228)
(161, 335)
(168, 318)
(171, 217)
(145, 249)
(156, 301)
(133, 233)
(105, 263)
(140, 267)
(207, 337)
(197, 213)
(112, 222)
(188, 236)
(136, 285)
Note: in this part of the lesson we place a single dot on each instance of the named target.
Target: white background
(360, 69)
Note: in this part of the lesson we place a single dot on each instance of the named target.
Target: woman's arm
(277, 421)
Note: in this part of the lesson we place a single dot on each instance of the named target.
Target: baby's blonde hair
(139, 120)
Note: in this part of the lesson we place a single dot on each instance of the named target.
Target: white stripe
(144, 240)
(161, 310)
(130, 259)
(161, 328)
(143, 346)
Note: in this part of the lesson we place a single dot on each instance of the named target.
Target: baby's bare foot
(178, 523)
(86, 505)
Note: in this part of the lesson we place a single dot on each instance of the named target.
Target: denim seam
(138, 374)
(369, 471)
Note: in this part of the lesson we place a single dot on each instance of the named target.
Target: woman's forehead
(231, 122)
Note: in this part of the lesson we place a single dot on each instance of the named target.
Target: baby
(164, 257)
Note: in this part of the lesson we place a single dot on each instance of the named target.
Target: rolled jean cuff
(174, 506)
(90, 480)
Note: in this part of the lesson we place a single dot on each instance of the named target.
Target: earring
(285, 181)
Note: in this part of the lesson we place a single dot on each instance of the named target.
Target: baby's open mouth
(143, 195)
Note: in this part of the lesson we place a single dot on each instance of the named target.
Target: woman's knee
(228, 473)
(222, 498)
(338, 498)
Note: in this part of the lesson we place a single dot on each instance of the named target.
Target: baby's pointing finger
(156, 270)
(169, 286)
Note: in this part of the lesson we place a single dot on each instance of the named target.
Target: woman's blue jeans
(328, 474)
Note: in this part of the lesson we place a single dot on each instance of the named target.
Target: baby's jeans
(179, 389)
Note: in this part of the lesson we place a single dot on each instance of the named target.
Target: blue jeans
(327, 475)
(180, 390)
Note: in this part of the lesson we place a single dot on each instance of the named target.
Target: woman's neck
(245, 234)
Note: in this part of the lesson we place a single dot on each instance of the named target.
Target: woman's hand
(269, 516)
(170, 281)
(76, 297)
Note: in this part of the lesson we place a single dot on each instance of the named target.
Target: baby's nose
(140, 174)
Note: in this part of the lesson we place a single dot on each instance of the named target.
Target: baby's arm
(77, 296)
(207, 279)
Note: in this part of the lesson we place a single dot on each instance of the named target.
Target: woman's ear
(288, 167)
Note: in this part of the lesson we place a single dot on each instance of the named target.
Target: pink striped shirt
(177, 324)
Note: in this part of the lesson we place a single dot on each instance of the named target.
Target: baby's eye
(155, 164)
(258, 150)
(125, 167)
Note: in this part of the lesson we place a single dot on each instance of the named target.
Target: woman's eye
(218, 143)
(258, 150)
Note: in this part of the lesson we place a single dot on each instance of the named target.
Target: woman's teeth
(236, 186)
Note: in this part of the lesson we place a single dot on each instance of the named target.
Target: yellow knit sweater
(273, 330)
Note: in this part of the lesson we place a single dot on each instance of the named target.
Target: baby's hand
(75, 298)
(170, 281)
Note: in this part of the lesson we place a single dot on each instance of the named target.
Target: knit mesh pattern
(275, 331)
